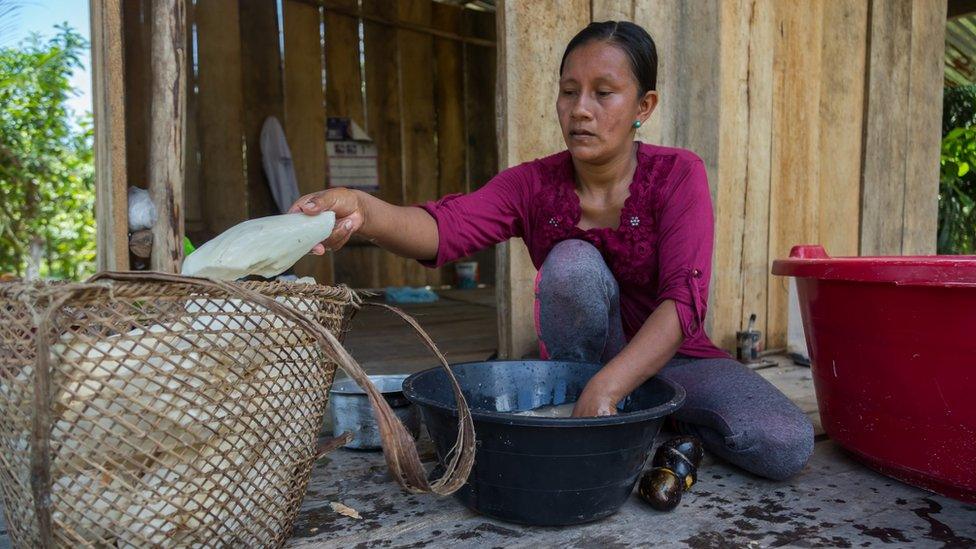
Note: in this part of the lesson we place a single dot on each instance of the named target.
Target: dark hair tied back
(629, 37)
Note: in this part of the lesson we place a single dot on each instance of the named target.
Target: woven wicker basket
(144, 410)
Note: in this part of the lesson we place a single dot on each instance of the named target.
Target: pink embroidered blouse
(661, 250)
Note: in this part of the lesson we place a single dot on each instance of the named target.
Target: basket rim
(162, 288)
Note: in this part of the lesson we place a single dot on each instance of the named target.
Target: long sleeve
(467, 223)
(686, 228)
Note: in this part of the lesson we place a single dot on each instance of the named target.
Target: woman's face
(598, 102)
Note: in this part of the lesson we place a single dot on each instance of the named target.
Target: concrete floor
(834, 502)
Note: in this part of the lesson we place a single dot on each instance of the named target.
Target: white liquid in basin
(559, 410)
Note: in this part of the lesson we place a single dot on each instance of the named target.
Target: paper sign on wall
(352, 156)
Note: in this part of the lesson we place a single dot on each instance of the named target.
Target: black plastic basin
(539, 470)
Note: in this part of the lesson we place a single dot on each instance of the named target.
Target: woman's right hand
(348, 207)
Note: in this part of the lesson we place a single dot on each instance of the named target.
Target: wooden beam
(110, 175)
(344, 96)
(418, 127)
(449, 102)
(354, 265)
(305, 113)
(886, 127)
(845, 30)
(480, 67)
(304, 122)
(382, 74)
(220, 100)
(167, 132)
(900, 180)
(374, 16)
(795, 162)
(924, 127)
(755, 231)
(735, 20)
(261, 77)
(688, 73)
(531, 38)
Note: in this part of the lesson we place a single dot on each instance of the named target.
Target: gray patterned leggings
(737, 414)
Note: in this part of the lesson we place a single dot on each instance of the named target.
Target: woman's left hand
(595, 402)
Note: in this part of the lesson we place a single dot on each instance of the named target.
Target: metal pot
(352, 412)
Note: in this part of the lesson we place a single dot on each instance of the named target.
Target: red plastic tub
(893, 346)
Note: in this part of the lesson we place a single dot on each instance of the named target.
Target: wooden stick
(140, 243)
(332, 445)
(109, 106)
(168, 132)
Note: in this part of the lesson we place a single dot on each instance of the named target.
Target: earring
(637, 123)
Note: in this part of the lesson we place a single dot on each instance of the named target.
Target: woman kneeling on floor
(621, 232)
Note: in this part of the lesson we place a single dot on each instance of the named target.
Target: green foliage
(957, 193)
(47, 193)
(958, 108)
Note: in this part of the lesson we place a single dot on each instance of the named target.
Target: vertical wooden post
(531, 38)
(480, 72)
(899, 206)
(263, 96)
(418, 128)
(382, 80)
(919, 234)
(687, 37)
(110, 175)
(167, 132)
(305, 113)
(693, 112)
(220, 101)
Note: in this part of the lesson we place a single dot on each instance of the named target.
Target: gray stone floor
(834, 502)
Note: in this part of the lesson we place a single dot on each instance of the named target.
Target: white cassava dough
(265, 246)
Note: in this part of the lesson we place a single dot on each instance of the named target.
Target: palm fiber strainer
(144, 409)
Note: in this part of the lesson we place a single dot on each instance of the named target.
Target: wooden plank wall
(528, 128)
(902, 127)
(801, 134)
(427, 101)
(382, 79)
(414, 92)
(219, 102)
(110, 206)
(817, 120)
(481, 160)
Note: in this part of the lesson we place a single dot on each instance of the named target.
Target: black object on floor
(674, 471)
(799, 359)
(541, 470)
